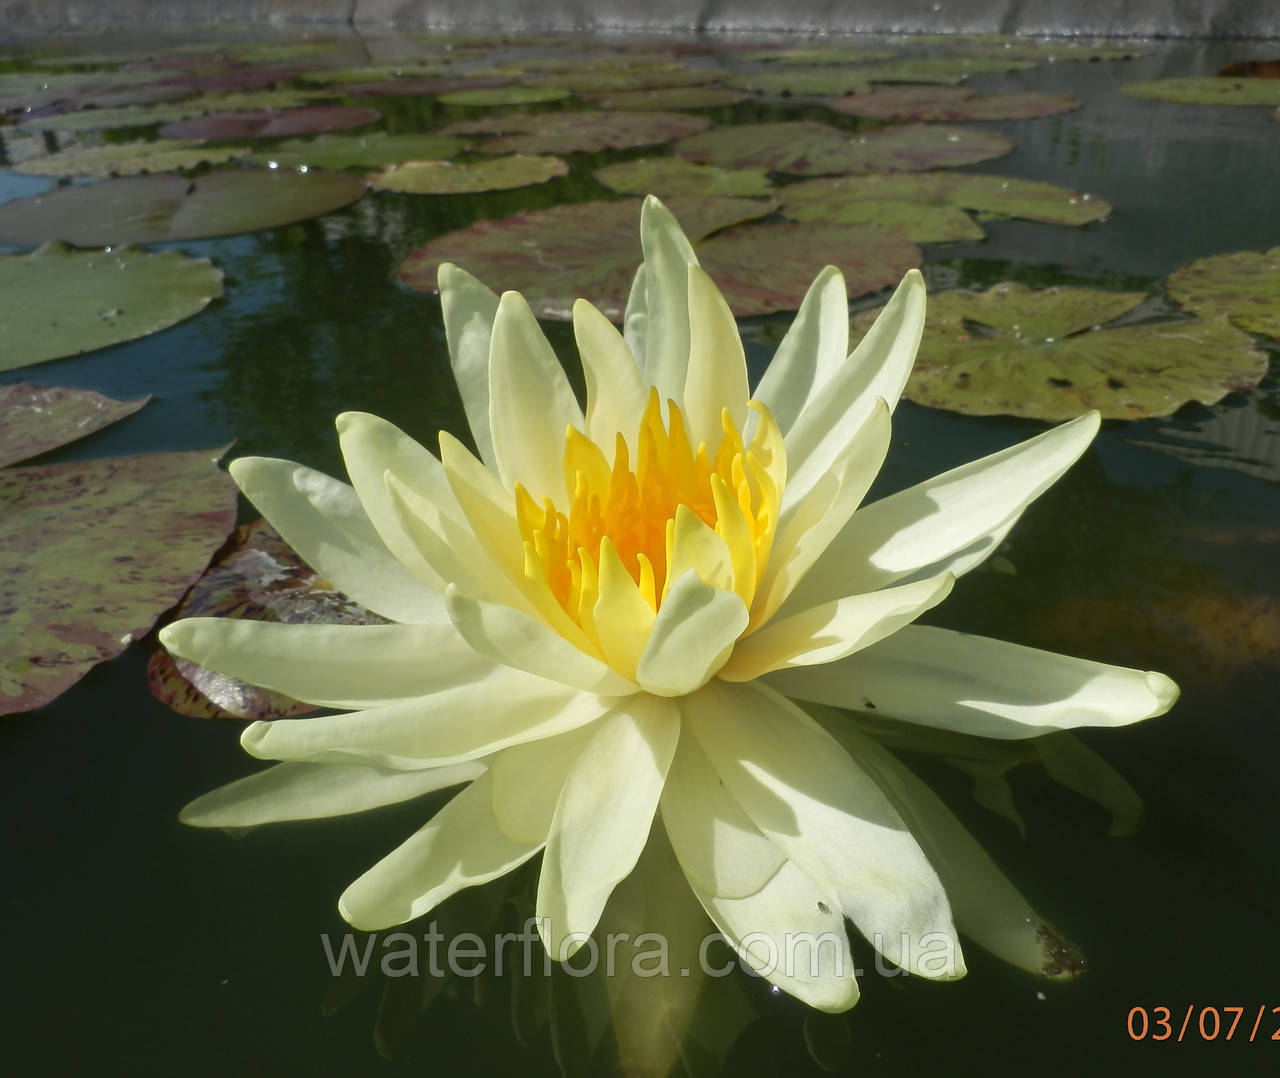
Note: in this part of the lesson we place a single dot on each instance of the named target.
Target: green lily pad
(667, 176)
(951, 104)
(164, 207)
(127, 159)
(358, 151)
(811, 55)
(628, 79)
(92, 552)
(1208, 91)
(577, 132)
(60, 302)
(38, 419)
(271, 123)
(375, 73)
(1244, 286)
(802, 82)
(505, 95)
(812, 149)
(843, 198)
(1012, 350)
(451, 177)
(255, 575)
(146, 115)
(942, 69)
(919, 223)
(553, 256)
(675, 97)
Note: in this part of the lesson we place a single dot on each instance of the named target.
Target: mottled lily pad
(146, 115)
(505, 95)
(271, 123)
(358, 151)
(675, 97)
(92, 552)
(451, 177)
(1208, 91)
(667, 176)
(577, 132)
(59, 302)
(952, 104)
(255, 575)
(155, 209)
(1012, 350)
(1244, 286)
(812, 149)
(38, 419)
(553, 256)
(128, 159)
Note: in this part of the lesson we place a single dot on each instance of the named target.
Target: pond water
(138, 946)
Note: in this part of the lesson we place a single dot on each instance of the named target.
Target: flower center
(633, 513)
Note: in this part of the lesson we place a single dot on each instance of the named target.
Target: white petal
(635, 318)
(344, 666)
(826, 814)
(527, 780)
(717, 375)
(322, 520)
(979, 686)
(313, 791)
(514, 639)
(667, 256)
(615, 394)
(469, 309)
(461, 847)
(948, 523)
(531, 403)
(603, 817)
(691, 637)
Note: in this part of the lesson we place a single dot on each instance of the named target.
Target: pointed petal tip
(252, 738)
(1165, 690)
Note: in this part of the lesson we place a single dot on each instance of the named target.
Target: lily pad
(952, 104)
(919, 223)
(842, 198)
(1244, 286)
(358, 151)
(818, 55)
(342, 76)
(812, 149)
(128, 159)
(667, 176)
(675, 97)
(60, 302)
(37, 419)
(1208, 91)
(450, 177)
(146, 115)
(255, 575)
(553, 256)
(1012, 350)
(505, 95)
(161, 208)
(92, 552)
(802, 82)
(942, 69)
(627, 79)
(578, 132)
(424, 87)
(271, 123)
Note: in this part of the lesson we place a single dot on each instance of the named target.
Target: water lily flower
(606, 617)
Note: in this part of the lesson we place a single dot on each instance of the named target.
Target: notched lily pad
(667, 176)
(505, 95)
(577, 132)
(1244, 286)
(59, 302)
(1208, 91)
(128, 159)
(676, 97)
(358, 151)
(256, 575)
(450, 177)
(165, 207)
(272, 123)
(38, 419)
(1012, 350)
(930, 104)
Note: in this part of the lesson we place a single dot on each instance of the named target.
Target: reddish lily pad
(553, 256)
(272, 123)
(812, 149)
(1244, 286)
(146, 115)
(817, 55)
(127, 159)
(1208, 91)
(60, 302)
(667, 176)
(676, 97)
(37, 419)
(952, 104)
(1042, 355)
(92, 552)
(578, 132)
(155, 209)
(255, 575)
(450, 177)
(627, 79)
(505, 95)
(358, 151)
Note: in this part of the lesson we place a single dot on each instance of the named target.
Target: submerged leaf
(1244, 286)
(37, 419)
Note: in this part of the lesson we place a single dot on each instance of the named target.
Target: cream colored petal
(511, 638)
(979, 686)
(830, 631)
(699, 549)
(461, 847)
(667, 256)
(344, 666)
(691, 637)
(313, 791)
(948, 523)
(506, 708)
(635, 318)
(878, 367)
(814, 347)
(531, 403)
(527, 780)
(615, 394)
(717, 375)
(603, 817)
(322, 519)
(812, 800)
(469, 309)
(622, 617)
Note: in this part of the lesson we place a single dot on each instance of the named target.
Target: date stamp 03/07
(1211, 1023)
